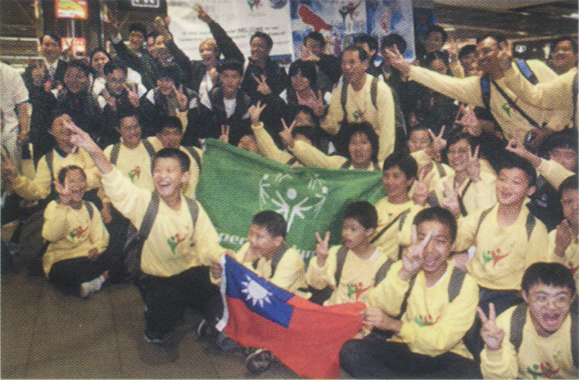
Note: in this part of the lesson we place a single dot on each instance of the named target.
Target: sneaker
(89, 287)
(259, 361)
(225, 343)
(204, 329)
(156, 338)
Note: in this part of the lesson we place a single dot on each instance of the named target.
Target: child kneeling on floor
(76, 237)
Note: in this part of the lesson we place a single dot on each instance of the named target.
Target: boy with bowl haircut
(397, 210)
(536, 339)
(426, 303)
(182, 241)
(349, 270)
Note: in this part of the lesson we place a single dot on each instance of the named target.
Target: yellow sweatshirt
(174, 244)
(268, 148)
(502, 255)
(39, 188)
(468, 90)
(537, 357)
(135, 164)
(71, 233)
(382, 119)
(431, 324)
(399, 234)
(571, 257)
(357, 278)
(314, 158)
(553, 172)
(479, 195)
(289, 274)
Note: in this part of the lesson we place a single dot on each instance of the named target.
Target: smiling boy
(426, 303)
(537, 339)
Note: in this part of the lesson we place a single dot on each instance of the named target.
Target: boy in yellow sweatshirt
(396, 211)
(426, 303)
(76, 237)
(536, 339)
(176, 255)
(348, 271)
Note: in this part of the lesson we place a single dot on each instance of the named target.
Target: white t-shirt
(13, 92)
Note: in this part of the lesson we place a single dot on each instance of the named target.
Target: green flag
(236, 184)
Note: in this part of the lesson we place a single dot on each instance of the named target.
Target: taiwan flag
(304, 336)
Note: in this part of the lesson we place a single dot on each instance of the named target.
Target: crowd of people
(468, 266)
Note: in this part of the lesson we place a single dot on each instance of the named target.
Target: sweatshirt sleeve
(467, 228)
(99, 236)
(331, 123)
(320, 277)
(289, 270)
(554, 172)
(466, 90)
(389, 294)
(39, 188)
(267, 146)
(206, 238)
(314, 158)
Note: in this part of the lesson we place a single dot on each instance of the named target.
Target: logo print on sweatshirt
(77, 233)
(507, 109)
(543, 370)
(427, 320)
(135, 173)
(174, 241)
(253, 3)
(574, 269)
(356, 289)
(494, 256)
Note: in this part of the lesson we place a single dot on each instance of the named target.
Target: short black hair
(512, 161)
(362, 54)
(306, 68)
(309, 132)
(111, 66)
(183, 158)
(437, 29)
(364, 38)
(79, 64)
(230, 64)
(170, 122)
(433, 56)
(99, 50)
(394, 39)
(553, 274)
(405, 162)
(367, 129)
(440, 215)
(565, 38)
(128, 112)
(273, 222)
(264, 36)
(52, 35)
(466, 50)
(316, 36)
(138, 27)
(570, 183)
(64, 171)
(497, 36)
(363, 212)
(453, 138)
(558, 141)
(166, 73)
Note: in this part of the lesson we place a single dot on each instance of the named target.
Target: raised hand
(106, 215)
(414, 257)
(473, 165)
(203, 16)
(490, 333)
(451, 201)
(318, 106)
(322, 248)
(161, 28)
(421, 190)
(397, 60)
(111, 25)
(110, 100)
(80, 138)
(224, 138)
(438, 142)
(468, 120)
(563, 237)
(262, 86)
(133, 96)
(8, 170)
(286, 135)
(453, 49)
(181, 98)
(255, 112)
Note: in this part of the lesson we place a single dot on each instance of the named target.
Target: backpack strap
(150, 216)
(527, 72)
(193, 210)
(440, 169)
(343, 101)
(402, 216)
(383, 271)
(346, 164)
(89, 208)
(480, 220)
(292, 161)
(575, 93)
(193, 152)
(277, 257)
(405, 300)
(518, 320)
(455, 283)
(575, 338)
(340, 260)
(50, 162)
(376, 166)
(485, 87)
(374, 91)
(115, 153)
(530, 224)
(461, 202)
(149, 147)
(514, 105)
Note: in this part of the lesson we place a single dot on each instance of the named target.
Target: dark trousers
(376, 358)
(502, 299)
(167, 297)
(70, 273)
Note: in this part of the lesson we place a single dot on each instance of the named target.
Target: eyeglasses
(544, 300)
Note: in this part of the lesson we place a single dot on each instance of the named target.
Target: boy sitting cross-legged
(182, 241)
(428, 305)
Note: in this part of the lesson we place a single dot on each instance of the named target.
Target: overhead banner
(235, 185)
(240, 19)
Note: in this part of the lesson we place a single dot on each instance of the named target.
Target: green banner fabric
(236, 184)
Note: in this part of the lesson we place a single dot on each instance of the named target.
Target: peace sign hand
(451, 201)
(318, 106)
(224, 138)
(132, 95)
(412, 260)
(469, 121)
(255, 112)
(286, 134)
(262, 86)
(421, 190)
(438, 142)
(322, 248)
(473, 165)
(397, 61)
(490, 333)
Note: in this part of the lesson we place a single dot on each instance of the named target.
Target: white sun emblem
(255, 292)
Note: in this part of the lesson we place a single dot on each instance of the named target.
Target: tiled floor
(47, 334)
